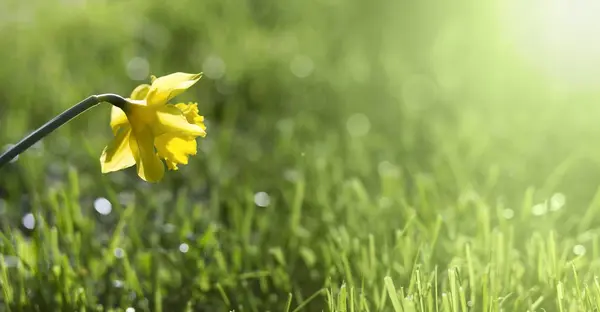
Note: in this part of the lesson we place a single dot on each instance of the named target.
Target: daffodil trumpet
(58, 121)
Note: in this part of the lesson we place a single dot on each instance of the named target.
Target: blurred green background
(347, 141)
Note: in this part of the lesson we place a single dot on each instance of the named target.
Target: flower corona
(149, 130)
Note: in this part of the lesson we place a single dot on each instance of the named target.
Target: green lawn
(361, 156)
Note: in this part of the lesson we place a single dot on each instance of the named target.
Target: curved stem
(58, 121)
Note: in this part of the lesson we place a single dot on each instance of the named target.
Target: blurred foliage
(359, 119)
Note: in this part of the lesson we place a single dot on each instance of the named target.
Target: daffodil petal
(175, 147)
(117, 155)
(167, 87)
(171, 119)
(118, 119)
(140, 92)
(149, 166)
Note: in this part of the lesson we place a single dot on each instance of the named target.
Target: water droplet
(539, 209)
(130, 309)
(184, 247)
(29, 221)
(557, 201)
(102, 206)
(118, 283)
(579, 250)
(508, 213)
(119, 253)
(213, 67)
(11, 261)
(358, 125)
(302, 66)
(470, 303)
(138, 68)
(262, 199)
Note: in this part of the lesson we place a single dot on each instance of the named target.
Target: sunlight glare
(562, 37)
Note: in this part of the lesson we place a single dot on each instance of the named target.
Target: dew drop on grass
(118, 283)
(119, 253)
(184, 247)
(102, 206)
(130, 309)
(557, 201)
(579, 250)
(539, 209)
(11, 261)
(29, 221)
(262, 199)
(508, 213)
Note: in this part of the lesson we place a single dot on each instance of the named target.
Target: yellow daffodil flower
(149, 129)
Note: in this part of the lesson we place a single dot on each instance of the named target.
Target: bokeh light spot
(262, 199)
(119, 253)
(184, 247)
(138, 68)
(579, 250)
(508, 213)
(302, 66)
(213, 67)
(557, 201)
(358, 125)
(29, 221)
(539, 209)
(102, 206)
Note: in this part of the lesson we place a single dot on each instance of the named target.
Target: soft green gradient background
(411, 105)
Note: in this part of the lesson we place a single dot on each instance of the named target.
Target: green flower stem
(58, 121)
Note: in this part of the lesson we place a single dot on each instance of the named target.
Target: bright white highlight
(560, 36)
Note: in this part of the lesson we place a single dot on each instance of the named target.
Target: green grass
(422, 165)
